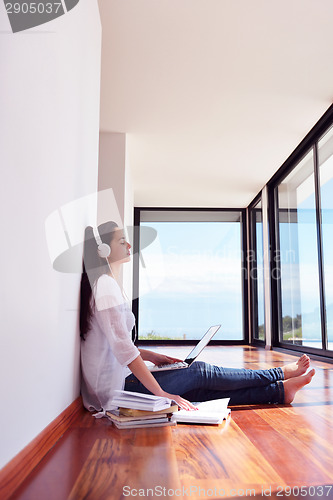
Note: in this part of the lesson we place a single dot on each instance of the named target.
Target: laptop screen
(203, 342)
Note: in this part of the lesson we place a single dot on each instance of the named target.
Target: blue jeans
(202, 382)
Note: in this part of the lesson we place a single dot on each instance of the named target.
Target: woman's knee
(200, 368)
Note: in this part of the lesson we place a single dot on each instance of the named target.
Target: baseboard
(14, 473)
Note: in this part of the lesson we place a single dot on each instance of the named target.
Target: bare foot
(296, 369)
(294, 384)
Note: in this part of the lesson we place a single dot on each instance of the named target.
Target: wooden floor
(260, 451)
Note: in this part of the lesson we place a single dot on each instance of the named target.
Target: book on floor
(130, 412)
(118, 416)
(141, 425)
(124, 421)
(139, 401)
(209, 412)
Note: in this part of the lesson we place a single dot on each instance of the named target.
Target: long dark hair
(93, 267)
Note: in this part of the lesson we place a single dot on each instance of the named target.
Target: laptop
(193, 354)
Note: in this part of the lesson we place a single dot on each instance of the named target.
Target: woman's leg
(204, 381)
(272, 393)
(277, 392)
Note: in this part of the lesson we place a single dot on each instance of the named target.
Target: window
(300, 320)
(191, 275)
(256, 260)
(301, 222)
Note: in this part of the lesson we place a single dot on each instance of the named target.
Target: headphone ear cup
(104, 250)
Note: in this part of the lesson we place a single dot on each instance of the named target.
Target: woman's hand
(181, 402)
(140, 370)
(158, 359)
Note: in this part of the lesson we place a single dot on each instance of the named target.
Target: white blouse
(108, 348)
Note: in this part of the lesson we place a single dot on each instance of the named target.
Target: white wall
(49, 122)
(128, 219)
(114, 173)
(111, 172)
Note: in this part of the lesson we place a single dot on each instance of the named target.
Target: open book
(139, 401)
(209, 412)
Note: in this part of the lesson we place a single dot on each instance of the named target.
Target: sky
(192, 280)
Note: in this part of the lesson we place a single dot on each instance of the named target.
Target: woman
(111, 361)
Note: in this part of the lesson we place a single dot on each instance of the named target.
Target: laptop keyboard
(179, 364)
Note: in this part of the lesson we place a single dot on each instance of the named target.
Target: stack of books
(141, 410)
(144, 410)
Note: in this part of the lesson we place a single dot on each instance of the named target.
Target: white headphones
(103, 249)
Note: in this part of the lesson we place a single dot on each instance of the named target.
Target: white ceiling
(213, 94)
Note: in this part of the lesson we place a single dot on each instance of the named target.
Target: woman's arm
(157, 358)
(139, 369)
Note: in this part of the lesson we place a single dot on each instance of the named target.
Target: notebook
(193, 354)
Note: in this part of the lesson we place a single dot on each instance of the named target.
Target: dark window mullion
(244, 277)
(276, 271)
(136, 259)
(254, 276)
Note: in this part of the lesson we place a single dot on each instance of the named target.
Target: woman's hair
(93, 267)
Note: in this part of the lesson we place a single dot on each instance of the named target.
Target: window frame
(135, 302)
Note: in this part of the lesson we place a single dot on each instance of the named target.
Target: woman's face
(120, 248)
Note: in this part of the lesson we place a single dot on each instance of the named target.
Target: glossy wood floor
(260, 451)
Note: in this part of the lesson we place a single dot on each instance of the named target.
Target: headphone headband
(97, 236)
(103, 249)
